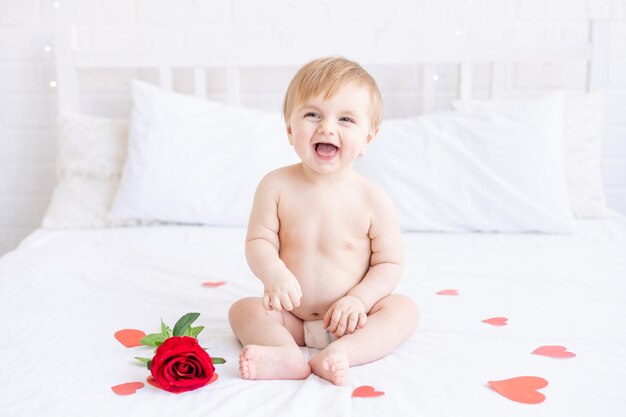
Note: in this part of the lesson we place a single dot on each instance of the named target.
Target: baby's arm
(387, 260)
(386, 266)
(281, 288)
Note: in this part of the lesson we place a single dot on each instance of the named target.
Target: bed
(522, 295)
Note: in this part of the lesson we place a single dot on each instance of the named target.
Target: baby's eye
(311, 114)
(346, 119)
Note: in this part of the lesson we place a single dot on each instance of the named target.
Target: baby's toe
(247, 353)
(243, 370)
(244, 366)
(339, 378)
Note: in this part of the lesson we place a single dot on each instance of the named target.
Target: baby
(325, 243)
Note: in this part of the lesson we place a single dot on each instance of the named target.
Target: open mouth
(326, 150)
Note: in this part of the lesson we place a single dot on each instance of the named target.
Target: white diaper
(316, 336)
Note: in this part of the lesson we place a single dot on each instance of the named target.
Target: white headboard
(234, 47)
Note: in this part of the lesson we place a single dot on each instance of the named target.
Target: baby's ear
(370, 139)
(289, 135)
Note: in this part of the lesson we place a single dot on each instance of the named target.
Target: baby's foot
(272, 362)
(332, 365)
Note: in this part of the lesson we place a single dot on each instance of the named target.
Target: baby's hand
(282, 292)
(345, 316)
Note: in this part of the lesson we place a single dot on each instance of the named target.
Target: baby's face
(329, 134)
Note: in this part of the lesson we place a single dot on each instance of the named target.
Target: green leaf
(145, 361)
(195, 331)
(165, 331)
(218, 361)
(187, 331)
(153, 339)
(184, 322)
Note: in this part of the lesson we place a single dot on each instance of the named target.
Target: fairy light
(48, 48)
(457, 32)
(435, 78)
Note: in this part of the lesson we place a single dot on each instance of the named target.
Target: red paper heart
(496, 321)
(128, 388)
(553, 352)
(130, 337)
(150, 380)
(448, 292)
(213, 284)
(366, 391)
(522, 389)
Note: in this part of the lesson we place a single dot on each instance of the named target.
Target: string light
(457, 32)
(435, 77)
(48, 48)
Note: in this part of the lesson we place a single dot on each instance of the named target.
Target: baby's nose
(325, 128)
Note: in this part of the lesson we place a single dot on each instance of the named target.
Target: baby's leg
(270, 340)
(390, 321)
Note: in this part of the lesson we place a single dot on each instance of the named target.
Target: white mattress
(63, 295)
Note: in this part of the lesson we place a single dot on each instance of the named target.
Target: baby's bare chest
(324, 226)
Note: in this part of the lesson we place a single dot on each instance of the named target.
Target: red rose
(180, 365)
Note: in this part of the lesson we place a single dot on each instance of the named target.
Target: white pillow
(582, 146)
(196, 161)
(90, 156)
(489, 171)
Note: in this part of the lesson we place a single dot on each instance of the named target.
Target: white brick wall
(28, 104)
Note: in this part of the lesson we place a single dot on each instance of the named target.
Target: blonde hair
(327, 75)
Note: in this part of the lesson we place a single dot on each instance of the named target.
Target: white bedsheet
(63, 294)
